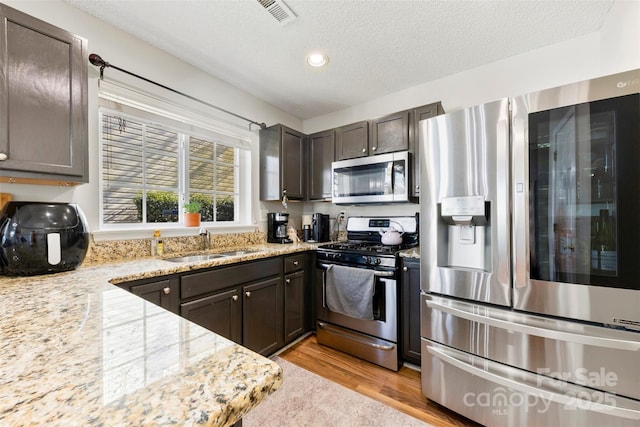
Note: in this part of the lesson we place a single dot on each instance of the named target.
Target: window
(212, 179)
(153, 161)
(140, 171)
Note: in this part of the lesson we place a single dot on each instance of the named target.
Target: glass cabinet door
(584, 177)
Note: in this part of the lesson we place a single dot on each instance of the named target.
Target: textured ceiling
(375, 47)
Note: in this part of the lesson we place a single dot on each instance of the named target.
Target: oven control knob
(377, 261)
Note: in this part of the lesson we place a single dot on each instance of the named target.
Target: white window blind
(140, 171)
(152, 163)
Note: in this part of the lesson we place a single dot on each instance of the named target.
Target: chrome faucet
(205, 236)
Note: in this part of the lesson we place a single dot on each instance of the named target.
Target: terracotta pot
(192, 219)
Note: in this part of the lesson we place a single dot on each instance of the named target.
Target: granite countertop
(410, 253)
(77, 350)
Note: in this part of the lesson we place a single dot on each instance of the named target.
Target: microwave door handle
(389, 177)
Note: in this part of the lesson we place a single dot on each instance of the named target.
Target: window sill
(175, 231)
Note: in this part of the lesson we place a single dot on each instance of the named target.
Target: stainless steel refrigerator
(530, 267)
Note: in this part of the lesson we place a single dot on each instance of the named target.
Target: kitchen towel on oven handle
(349, 291)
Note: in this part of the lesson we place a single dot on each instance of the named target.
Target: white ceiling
(376, 47)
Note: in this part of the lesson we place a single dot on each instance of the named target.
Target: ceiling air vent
(278, 10)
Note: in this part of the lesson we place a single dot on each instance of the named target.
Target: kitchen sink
(195, 258)
(207, 257)
(241, 252)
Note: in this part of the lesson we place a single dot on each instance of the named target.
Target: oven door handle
(375, 273)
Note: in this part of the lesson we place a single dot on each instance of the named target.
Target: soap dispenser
(157, 246)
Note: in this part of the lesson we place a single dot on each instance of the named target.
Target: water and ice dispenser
(465, 224)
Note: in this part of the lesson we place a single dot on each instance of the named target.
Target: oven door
(576, 169)
(384, 325)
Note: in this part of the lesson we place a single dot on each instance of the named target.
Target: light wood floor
(400, 390)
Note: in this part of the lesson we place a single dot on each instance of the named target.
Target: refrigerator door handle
(536, 331)
(566, 399)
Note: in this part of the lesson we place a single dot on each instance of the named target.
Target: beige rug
(306, 399)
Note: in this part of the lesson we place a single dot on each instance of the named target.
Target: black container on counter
(41, 237)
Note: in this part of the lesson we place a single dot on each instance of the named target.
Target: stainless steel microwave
(384, 178)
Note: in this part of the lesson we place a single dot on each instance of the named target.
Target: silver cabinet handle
(248, 294)
(537, 331)
(3, 156)
(166, 290)
(295, 262)
(287, 281)
(373, 148)
(562, 399)
(364, 150)
(235, 297)
(417, 187)
(405, 269)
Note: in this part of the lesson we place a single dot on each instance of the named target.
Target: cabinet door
(220, 313)
(262, 316)
(420, 113)
(163, 293)
(43, 100)
(321, 154)
(390, 133)
(352, 141)
(411, 311)
(293, 161)
(294, 306)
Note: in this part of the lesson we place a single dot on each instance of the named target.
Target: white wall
(129, 53)
(615, 48)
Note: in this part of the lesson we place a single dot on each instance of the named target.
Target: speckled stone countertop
(410, 253)
(77, 350)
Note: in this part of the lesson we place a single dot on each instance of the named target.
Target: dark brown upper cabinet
(389, 133)
(282, 163)
(321, 154)
(43, 102)
(352, 141)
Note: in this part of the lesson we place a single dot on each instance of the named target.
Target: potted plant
(192, 214)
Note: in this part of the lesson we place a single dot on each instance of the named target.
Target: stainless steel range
(357, 288)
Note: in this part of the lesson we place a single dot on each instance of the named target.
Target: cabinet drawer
(294, 263)
(195, 284)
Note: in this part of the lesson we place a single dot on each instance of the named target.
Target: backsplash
(114, 250)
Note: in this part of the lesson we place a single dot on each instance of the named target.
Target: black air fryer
(40, 238)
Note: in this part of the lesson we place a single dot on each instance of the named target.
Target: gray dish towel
(349, 291)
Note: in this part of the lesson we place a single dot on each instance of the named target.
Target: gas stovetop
(370, 248)
(364, 246)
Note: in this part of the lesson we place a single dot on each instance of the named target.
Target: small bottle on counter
(157, 245)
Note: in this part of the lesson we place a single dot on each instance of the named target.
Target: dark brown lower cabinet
(294, 306)
(220, 313)
(262, 316)
(164, 293)
(262, 304)
(410, 309)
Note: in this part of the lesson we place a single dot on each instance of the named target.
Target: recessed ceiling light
(317, 59)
